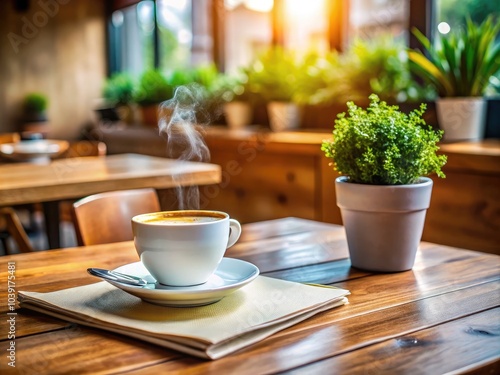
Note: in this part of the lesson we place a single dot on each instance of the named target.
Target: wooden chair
(78, 149)
(12, 226)
(105, 217)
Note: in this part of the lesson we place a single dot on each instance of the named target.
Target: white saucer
(37, 149)
(231, 275)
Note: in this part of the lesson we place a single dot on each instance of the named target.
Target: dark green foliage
(383, 146)
(119, 89)
(461, 63)
(276, 75)
(35, 103)
(153, 88)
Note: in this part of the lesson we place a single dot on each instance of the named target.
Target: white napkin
(246, 316)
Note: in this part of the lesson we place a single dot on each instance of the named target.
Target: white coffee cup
(182, 248)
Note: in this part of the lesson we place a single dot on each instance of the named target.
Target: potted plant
(153, 88)
(233, 91)
(118, 91)
(205, 78)
(459, 66)
(34, 118)
(378, 65)
(276, 77)
(383, 156)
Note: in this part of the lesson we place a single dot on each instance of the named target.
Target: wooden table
(78, 177)
(443, 316)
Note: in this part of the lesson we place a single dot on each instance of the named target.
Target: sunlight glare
(444, 28)
(300, 9)
(260, 5)
(179, 5)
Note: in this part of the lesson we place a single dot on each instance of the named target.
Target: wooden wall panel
(268, 185)
(465, 211)
(63, 57)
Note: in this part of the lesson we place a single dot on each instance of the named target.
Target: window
(164, 34)
(169, 34)
(131, 38)
(453, 13)
(372, 18)
(306, 25)
(248, 29)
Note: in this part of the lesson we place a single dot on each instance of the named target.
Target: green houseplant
(34, 114)
(383, 156)
(118, 90)
(459, 66)
(276, 76)
(153, 88)
(237, 100)
(35, 107)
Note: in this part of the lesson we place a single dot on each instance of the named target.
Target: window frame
(420, 16)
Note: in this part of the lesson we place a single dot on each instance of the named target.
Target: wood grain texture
(465, 211)
(442, 316)
(79, 177)
(473, 336)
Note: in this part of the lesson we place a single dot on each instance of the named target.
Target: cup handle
(234, 232)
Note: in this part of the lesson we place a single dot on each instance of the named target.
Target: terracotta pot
(383, 223)
(149, 114)
(462, 118)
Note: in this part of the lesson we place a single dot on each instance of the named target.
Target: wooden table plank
(65, 355)
(465, 339)
(346, 333)
(78, 177)
(446, 290)
(322, 338)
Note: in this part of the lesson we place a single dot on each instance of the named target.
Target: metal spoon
(117, 276)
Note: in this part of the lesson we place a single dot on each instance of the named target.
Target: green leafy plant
(379, 65)
(460, 63)
(119, 89)
(206, 76)
(153, 88)
(35, 102)
(383, 146)
(276, 75)
(232, 87)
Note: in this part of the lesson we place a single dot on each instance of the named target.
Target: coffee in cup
(182, 248)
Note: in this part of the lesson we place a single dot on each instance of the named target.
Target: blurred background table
(72, 178)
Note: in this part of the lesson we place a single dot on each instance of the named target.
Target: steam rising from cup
(179, 121)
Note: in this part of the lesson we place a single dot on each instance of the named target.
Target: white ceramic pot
(283, 116)
(238, 114)
(383, 223)
(461, 118)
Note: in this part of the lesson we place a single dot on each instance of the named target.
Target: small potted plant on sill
(459, 66)
(118, 91)
(233, 91)
(383, 156)
(153, 89)
(277, 77)
(34, 120)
